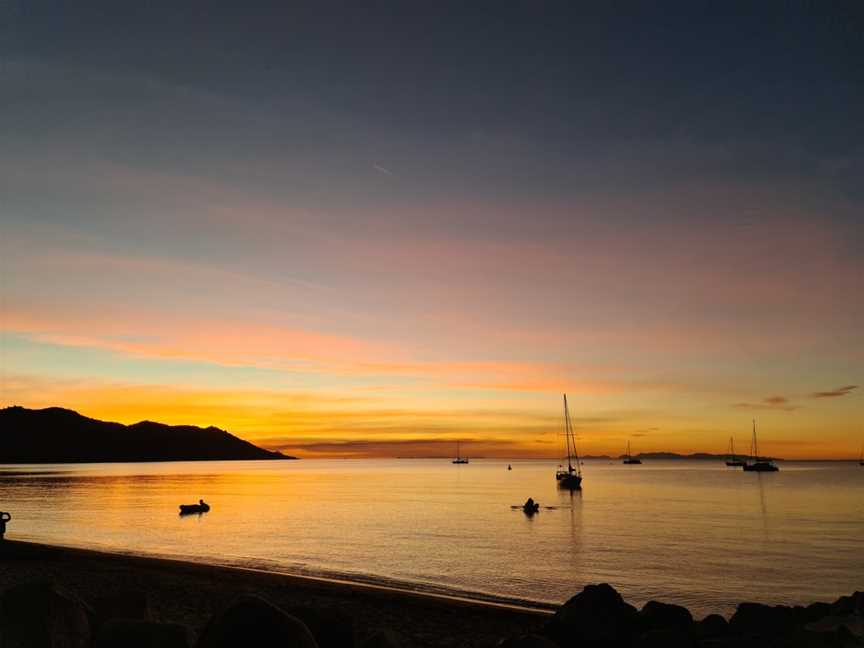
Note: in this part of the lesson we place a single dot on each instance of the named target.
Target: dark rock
(816, 611)
(40, 615)
(382, 639)
(129, 604)
(656, 615)
(844, 637)
(668, 637)
(331, 627)
(132, 633)
(849, 604)
(597, 617)
(831, 624)
(731, 642)
(711, 627)
(762, 620)
(252, 621)
(528, 641)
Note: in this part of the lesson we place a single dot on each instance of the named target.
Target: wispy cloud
(645, 432)
(769, 403)
(381, 169)
(834, 393)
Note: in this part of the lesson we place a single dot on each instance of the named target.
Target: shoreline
(189, 593)
(326, 579)
(136, 597)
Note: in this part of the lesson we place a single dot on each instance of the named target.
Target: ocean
(689, 532)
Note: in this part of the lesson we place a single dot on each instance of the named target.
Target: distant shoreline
(313, 459)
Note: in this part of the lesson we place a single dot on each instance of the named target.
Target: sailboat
(732, 459)
(759, 464)
(571, 477)
(459, 458)
(629, 459)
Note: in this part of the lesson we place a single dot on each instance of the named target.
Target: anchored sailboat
(759, 464)
(732, 459)
(571, 477)
(459, 458)
(629, 459)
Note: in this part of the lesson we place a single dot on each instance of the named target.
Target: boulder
(849, 604)
(731, 642)
(816, 611)
(656, 616)
(759, 620)
(382, 639)
(528, 641)
(41, 615)
(126, 604)
(853, 623)
(252, 621)
(132, 633)
(711, 627)
(597, 617)
(667, 637)
(331, 627)
(845, 637)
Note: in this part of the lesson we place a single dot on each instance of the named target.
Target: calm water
(695, 533)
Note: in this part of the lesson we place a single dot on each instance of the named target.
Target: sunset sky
(371, 231)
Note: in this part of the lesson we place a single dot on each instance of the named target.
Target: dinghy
(200, 507)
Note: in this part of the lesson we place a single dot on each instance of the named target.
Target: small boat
(189, 509)
(759, 464)
(571, 477)
(530, 507)
(861, 458)
(459, 458)
(731, 458)
(509, 467)
(629, 459)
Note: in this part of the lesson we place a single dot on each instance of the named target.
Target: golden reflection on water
(691, 532)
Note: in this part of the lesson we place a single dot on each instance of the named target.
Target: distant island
(57, 435)
(704, 456)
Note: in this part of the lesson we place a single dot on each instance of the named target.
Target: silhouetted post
(4, 518)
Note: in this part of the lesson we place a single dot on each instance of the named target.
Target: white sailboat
(630, 459)
(759, 464)
(459, 458)
(570, 477)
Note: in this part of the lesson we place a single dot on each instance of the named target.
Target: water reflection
(677, 530)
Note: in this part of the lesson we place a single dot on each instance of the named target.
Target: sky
(345, 229)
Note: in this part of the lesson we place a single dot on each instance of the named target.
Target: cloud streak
(835, 393)
(769, 403)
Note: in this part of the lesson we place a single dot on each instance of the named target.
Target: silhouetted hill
(57, 435)
(696, 455)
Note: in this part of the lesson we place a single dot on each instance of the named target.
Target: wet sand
(190, 593)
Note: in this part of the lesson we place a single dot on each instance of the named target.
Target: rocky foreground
(116, 602)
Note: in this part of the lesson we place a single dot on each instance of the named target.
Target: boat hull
(189, 509)
(632, 462)
(570, 481)
(760, 466)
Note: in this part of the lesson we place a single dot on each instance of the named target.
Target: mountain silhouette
(57, 435)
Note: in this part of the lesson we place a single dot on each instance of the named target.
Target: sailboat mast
(755, 443)
(567, 434)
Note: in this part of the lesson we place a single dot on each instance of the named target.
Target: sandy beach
(190, 593)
